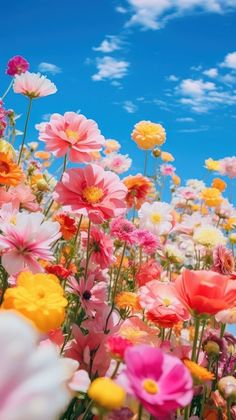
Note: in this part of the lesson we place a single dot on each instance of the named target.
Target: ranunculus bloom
(147, 135)
(33, 85)
(159, 381)
(33, 378)
(17, 65)
(93, 192)
(205, 292)
(71, 133)
(27, 240)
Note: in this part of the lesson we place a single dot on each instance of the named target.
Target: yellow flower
(39, 297)
(212, 165)
(167, 157)
(106, 393)
(209, 236)
(211, 197)
(199, 373)
(219, 184)
(111, 146)
(147, 135)
(176, 179)
(127, 300)
(230, 224)
(232, 238)
(7, 148)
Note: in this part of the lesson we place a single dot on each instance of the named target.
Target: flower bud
(156, 152)
(227, 387)
(212, 348)
(42, 185)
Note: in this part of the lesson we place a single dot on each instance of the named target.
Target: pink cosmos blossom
(93, 192)
(147, 241)
(71, 133)
(26, 241)
(138, 332)
(159, 381)
(17, 65)
(33, 378)
(228, 167)
(92, 295)
(101, 247)
(116, 162)
(167, 169)
(123, 230)
(223, 260)
(33, 85)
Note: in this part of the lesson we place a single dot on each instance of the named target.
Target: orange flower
(127, 300)
(176, 180)
(230, 224)
(68, 225)
(139, 187)
(219, 184)
(167, 157)
(147, 135)
(211, 197)
(199, 373)
(10, 173)
(42, 155)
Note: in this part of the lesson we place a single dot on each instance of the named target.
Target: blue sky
(118, 62)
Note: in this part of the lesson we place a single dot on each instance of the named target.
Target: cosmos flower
(93, 192)
(101, 247)
(17, 65)
(147, 135)
(33, 85)
(156, 217)
(92, 295)
(71, 134)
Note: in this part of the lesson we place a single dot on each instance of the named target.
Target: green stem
(8, 89)
(74, 242)
(118, 275)
(115, 370)
(229, 417)
(63, 170)
(89, 406)
(187, 412)
(194, 351)
(222, 330)
(140, 412)
(200, 341)
(25, 130)
(145, 163)
(88, 255)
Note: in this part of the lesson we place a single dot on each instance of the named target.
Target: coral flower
(39, 297)
(68, 225)
(93, 192)
(33, 377)
(117, 346)
(223, 260)
(71, 133)
(159, 381)
(219, 184)
(17, 65)
(205, 292)
(27, 240)
(148, 271)
(147, 135)
(33, 85)
(211, 197)
(139, 187)
(10, 173)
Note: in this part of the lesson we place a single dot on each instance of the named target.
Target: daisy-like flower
(209, 236)
(156, 217)
(116, 162)
(101, 247)
(17, 65)
(92, 295)
(139, 187)
(33, 85)
(10, 173)
(93, 192)
(26, 241)
(33, 377)
(71, 133)
(147, 135)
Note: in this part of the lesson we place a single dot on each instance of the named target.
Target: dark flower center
(87, 295)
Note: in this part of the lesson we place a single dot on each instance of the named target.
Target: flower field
(117, 291)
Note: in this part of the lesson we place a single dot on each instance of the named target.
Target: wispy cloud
(109, 44)
(121, 9)
(172, 78)
(212, 73)
(230, 61)
(49, 68)
(130, 107)
(109, 68)
(185, 119)
(154, 14)
(193, 130)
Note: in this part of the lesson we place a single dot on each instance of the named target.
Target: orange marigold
(127, 300)
(10, 173)
(199, 373)
(219, 184)
(139, 187)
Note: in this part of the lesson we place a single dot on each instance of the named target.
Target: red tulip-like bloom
(205, 292)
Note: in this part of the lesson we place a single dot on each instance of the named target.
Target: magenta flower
(123, 230)
(101, 247)
(17, 65)
(147, 241)
(159, 381)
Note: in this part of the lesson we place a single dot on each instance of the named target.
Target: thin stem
(140, 412)
(74, 242)
(222, 330)
(229, 417)
(194, 351)
(8, 90)
(145, 163)
(64, 166)
(201, 337)
(25, 129)
(88, 255)
(115, 370)
(187, 412)
(89, 406)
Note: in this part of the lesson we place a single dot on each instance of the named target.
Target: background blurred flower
(209, 236)
(10, 173)
(211, 197)
(228, 167)
(116, 162)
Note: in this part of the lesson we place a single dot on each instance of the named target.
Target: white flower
(116, 162)
(209, 235)
(156, 217)
(33, 378)
(33, 85)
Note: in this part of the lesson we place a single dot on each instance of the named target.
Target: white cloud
(109, 68)
(153, 14)
(109, 44)
(230, 61)
(121, 9)
(129, 107)
(213, 72)
(172, 78)
(185, 119)
(195, 88)
(49, 68)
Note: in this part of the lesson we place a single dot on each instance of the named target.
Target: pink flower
(223, 260)
(24, 242)
(17, 65)
(138, 332)
(25, 197)
(33, 85)
(92, 295)
(80, 381)
(117, 346)
(167, 169)
(101, 247)
(116, 162)
(123, 230)
(147, 241)
(159, 381)
(148, 271)
(228, 167)
(93, 192)
(71, 133)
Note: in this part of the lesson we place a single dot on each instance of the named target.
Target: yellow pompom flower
(212, 165)
(106, 393)
(40, 298)
(219, 184)
(167, 157)
(211, 197)
(148, 135)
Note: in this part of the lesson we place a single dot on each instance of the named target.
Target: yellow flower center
(167, 301)
(150, 386)
(72, 135)
(155, 218)
(92, 194)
